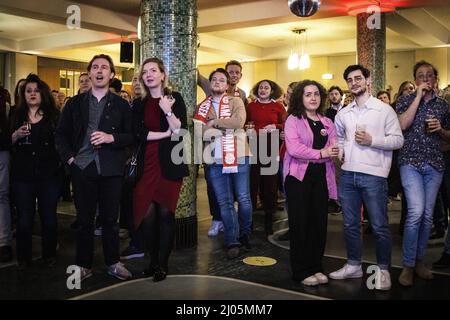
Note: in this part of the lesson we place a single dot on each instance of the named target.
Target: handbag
(131, 176)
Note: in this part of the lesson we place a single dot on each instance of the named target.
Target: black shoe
(285, 236)
(150, 271)
(437, 234)
(49, 262)
(5, 254)
(443, 262)
(159, 275)
(232, 252)
(245, 242)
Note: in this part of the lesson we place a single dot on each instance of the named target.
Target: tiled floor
(205, 266)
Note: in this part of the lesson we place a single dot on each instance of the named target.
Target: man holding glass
(422, 115)
(368, 131)
(94, 129)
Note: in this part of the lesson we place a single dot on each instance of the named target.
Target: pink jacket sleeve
(295, 141)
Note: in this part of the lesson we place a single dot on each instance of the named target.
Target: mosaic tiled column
(371, 43)
(169, 32)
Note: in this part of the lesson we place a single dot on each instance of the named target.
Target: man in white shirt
(368, 130)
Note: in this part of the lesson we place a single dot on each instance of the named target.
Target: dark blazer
(29, 162)
(169, 170)
(115, 120)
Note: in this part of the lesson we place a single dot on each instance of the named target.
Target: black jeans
(92, 189)
(47, 192)
(307, 206)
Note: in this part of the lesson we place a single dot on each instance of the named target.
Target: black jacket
(169, 170)
(115, 120)
(39, 160)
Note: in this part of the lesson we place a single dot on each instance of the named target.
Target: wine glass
(27, 138)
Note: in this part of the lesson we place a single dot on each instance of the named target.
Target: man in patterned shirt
(423, 116)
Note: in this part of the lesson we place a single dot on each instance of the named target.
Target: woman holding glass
(157, 115)
(36, 170)
(309, 179)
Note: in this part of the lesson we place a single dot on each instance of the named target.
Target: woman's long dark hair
(47, 106)
(296, 106)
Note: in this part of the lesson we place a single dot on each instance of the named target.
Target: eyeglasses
(424, 77)
(355, 80)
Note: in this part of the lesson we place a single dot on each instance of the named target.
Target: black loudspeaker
(126, 52)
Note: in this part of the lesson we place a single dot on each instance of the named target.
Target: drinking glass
(27, 138)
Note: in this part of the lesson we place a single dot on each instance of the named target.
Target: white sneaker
(323, 279)
(220, 226)
(214, 229)
(383, 280)
(311, 281)
(119, 271)
(347, 272)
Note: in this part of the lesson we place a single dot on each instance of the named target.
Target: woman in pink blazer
(309, 179)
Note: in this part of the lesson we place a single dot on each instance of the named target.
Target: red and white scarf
(229, 148)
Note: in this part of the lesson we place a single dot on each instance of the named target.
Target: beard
(335, 103)
(360, 92)
(217, 91)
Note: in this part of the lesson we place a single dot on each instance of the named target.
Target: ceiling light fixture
(303, 60)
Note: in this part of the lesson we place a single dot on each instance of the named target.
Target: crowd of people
(353, 150)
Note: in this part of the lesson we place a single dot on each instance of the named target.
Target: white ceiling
(247, 30)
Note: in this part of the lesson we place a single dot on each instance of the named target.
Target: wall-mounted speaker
(126, 52)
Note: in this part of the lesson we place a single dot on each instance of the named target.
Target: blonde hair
(161, 67)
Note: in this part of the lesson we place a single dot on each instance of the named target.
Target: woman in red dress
(156, 117)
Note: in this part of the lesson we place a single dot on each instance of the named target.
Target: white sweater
(382, 124)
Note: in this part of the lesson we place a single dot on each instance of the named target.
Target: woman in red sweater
(268, 117)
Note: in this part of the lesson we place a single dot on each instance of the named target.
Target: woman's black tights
(158, 227)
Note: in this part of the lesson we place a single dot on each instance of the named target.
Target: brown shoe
(406, 277)
(422, 271)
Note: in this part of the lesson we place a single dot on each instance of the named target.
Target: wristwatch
(168, 114)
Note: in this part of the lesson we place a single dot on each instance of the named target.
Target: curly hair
(296, 106)
(275, 89)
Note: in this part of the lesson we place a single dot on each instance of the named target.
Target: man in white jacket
(368, 131)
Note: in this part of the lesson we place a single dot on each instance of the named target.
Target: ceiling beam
(9, 45)
(239, 50)
(92, 18)
(418, 26)
(68, 40)
(252, 14)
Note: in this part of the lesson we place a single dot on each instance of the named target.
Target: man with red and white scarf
(223, 117)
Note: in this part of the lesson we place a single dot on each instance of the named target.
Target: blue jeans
(421, 188)
(354, 189)
(225, 185)
(213, 205)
